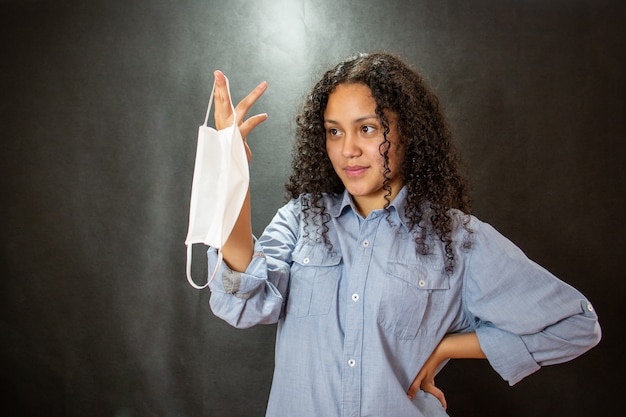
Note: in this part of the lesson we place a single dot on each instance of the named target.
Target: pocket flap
(315, 255)
(422, 276)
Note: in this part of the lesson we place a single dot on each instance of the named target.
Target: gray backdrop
(101, 101)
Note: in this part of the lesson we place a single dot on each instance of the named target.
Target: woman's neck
(368, 203)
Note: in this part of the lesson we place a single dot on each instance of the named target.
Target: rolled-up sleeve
(525, 317)
(257, 295)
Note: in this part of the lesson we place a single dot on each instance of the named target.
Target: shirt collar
(396, 208)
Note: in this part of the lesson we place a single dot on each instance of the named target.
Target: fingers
(223, 104)
(223, 108)
(246, 127)
(245, 104)
(426, 386)
(415, 386)
(432, 389)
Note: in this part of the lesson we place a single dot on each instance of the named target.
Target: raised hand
(224, 108)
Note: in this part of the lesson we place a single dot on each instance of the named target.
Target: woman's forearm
(460, 346)
(239, 247)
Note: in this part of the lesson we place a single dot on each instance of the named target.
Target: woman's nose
(351, 147)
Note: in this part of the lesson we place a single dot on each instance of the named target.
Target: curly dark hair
(431, 168)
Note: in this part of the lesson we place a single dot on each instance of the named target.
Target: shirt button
(421, 283)
(351, 362)
(355, 297)
(366, 243)
(589, 307)
(306, 261)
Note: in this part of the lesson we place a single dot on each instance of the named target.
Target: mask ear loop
(208, 110)
(220, 257)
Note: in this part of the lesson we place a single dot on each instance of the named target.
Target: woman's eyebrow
(359, 120)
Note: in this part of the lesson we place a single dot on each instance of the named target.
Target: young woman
(375, 270)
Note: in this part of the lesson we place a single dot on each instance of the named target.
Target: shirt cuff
(507, 354)
(239, 284)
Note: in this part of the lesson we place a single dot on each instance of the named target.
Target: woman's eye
(368, 129)
(332, 131)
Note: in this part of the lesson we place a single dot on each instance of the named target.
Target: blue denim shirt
(357, 322)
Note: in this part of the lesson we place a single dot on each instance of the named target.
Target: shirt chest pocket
(315, 274)
(412, 293)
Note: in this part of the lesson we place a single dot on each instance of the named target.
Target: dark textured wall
(100, 106)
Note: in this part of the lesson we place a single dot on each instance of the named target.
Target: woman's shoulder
(473, 233)
(464, 221)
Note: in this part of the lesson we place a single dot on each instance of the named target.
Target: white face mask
(219, 187)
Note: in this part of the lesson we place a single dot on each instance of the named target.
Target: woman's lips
(354, 171)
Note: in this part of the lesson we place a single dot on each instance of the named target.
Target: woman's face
(353, 138)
